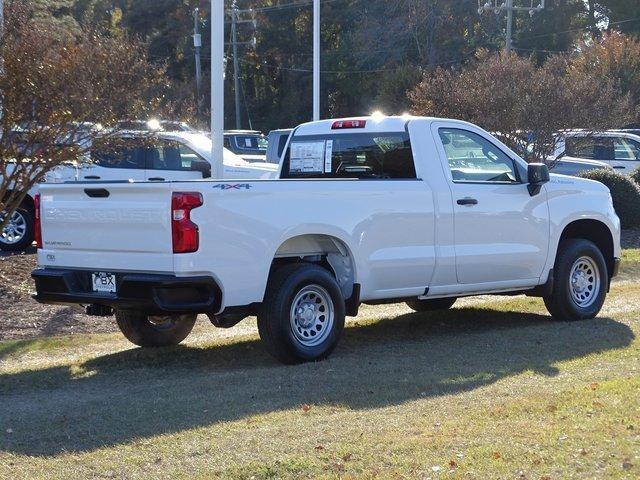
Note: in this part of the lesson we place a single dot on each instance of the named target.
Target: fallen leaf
(598, 404)
(545, 477)
(496, 455)
(306, 408)
(594, 386)
(583, 452)
(347, 457)
(627, 465)
(319, 447)
(436, 468)
(453, 464)
(552, 408)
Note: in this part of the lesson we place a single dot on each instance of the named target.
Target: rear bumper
(153, 294)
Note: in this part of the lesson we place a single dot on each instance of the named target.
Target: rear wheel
(303, 314)
(431, 305)
(580, 281)
(154, 331)
(17, 234)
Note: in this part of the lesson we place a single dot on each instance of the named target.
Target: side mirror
(538, 175)
(201, 166)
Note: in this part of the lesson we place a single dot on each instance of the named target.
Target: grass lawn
(490, 389)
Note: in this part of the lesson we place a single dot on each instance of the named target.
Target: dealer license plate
(104, 282)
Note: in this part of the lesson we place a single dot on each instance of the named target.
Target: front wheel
(17, 234)
(154, 331)
(580, 281)
(303, 314)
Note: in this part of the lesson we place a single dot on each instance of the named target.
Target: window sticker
(247, 142)
(307, 157)
(328, 157)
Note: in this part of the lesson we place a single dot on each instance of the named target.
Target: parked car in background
(277, 143)
(154, 125)
(576, 167)
(173, 156)
(374, 211)
(248, 144)
(620, 150)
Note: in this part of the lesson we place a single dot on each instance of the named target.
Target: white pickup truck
(400, 209)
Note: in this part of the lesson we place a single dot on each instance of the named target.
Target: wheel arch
(597, 232)
(326, 250)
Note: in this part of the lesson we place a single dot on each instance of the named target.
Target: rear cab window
(362, 155)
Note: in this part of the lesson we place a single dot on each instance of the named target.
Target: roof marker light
(345, 124)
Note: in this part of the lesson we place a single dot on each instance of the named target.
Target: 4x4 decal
(237, 186)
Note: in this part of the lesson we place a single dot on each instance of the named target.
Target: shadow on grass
(137, 393)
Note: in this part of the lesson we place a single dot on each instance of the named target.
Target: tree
(511, 95)
(56, 90)
(616, 57)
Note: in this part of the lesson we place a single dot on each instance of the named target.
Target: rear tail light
(344, 124)
(37, 228)
(185, 233)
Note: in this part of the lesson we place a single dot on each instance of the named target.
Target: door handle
(618, 167)
(468, 201)
(92, 177)
(156, 179)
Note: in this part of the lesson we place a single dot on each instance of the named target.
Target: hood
(558, 181)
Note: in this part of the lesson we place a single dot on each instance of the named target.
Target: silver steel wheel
(15, 230)
(312, 315)
(584, 282)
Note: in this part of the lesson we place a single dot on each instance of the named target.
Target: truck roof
(365, 124)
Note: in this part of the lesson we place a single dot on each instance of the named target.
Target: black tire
(561, 303)
(27, 239)
(154, 331)
(276, 320)
(431, 305)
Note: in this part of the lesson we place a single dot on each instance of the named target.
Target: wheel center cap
(580, 282)
(306, 315)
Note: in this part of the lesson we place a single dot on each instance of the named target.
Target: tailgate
(111, 226)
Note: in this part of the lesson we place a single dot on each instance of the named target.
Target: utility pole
(197, 43)
(217, 88)
(509, 6)
(509, 39)
(316, 60)
(236, 63)
(235, 14)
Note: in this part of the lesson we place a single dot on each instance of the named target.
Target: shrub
(636, 176)
(625, 193)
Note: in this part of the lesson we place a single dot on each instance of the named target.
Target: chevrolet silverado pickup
(366, 210)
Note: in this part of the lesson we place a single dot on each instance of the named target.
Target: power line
(360, 71)
(580, 29)
(285, 6)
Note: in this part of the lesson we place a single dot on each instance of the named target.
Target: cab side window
(474, 159)
(130, 158)
(591, 148)
(626, 149)
(172, 156)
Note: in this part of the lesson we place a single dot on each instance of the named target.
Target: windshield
(256, 143)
